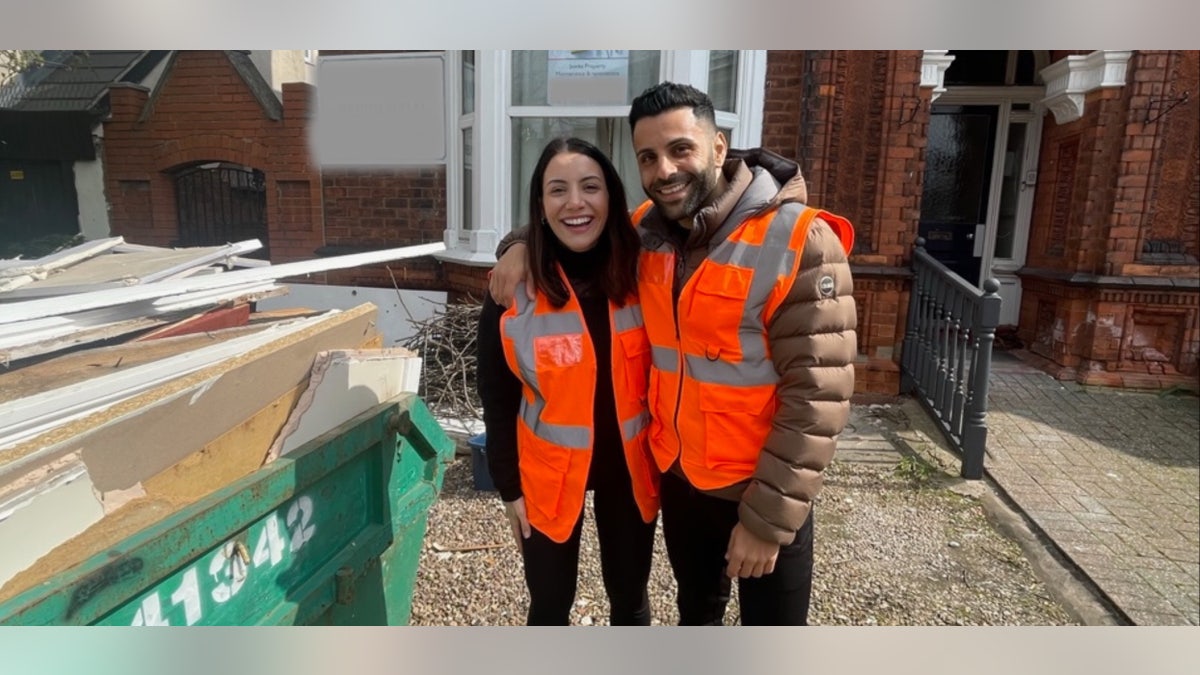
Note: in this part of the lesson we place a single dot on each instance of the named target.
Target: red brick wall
(858, 131)
(1172, 198)
(1140, 148)
(204, 112)
(783, 101)
(467, 283)
(1107, 182)
(386, 209)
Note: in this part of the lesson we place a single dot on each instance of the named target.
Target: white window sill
(467, 257)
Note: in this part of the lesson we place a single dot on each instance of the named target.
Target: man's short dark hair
(667, 96)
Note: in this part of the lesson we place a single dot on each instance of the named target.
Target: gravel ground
(892, 548)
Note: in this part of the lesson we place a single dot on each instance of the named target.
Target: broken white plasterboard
(32, 415)
(139, 438)
(343, 385)
(49, 509)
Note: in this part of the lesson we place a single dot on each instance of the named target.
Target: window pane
(468, 82)
(531, 76)
(1010, 189)
(957, 162)
(468, 221)
(610, 134)
(722, 78)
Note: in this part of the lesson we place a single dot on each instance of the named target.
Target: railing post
(974, 436)
(908, 358)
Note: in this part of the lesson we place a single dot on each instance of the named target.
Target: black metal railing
(220, 204)
(947, 354)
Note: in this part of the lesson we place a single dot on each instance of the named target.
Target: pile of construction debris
(135, 380)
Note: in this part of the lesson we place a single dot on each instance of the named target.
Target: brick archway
(180, 153)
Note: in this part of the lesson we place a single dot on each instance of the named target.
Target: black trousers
(626, 545)
(696, 528)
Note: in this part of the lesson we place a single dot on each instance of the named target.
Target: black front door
(958, 178)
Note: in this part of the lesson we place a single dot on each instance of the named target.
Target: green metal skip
(328, 534)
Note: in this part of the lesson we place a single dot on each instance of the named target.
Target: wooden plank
(142, 436)
(343, 385)
(233, 454)
(225, 317)
(79, 337)
(87, 364)
(33, 309)
(277, 314)
(26, 417)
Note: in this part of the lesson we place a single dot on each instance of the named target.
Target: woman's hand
(515, 512)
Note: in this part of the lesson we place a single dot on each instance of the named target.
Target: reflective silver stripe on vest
(767, 261)
(628, 317)
(522, 329)
(665, 358)
(744, 373)
(631, 427)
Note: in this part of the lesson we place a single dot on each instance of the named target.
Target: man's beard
(700, 187)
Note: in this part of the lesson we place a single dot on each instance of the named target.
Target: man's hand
(515, 512)
(511, 269)
(749, 556)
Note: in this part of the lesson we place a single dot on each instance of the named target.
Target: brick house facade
(203, 110)
(1110, 285)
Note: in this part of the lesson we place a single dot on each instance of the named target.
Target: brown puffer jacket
(812, 342)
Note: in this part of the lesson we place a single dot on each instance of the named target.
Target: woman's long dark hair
(619, 277)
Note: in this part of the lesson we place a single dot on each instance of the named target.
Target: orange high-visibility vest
(712, 383)
(550, 351)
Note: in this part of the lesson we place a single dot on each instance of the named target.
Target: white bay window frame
(491, 124)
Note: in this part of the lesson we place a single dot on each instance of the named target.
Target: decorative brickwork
(204, 111)
(1172, 230)
(1064, 167)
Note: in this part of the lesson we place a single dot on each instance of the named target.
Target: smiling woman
(610, 135)
(563, 383)
(575, 200)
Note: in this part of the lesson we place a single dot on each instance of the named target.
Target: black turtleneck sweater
(500, 390)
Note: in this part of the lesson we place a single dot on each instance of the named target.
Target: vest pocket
(660, 419)
(543, 469)
(736, 423)
(714, 313)
(635, 348)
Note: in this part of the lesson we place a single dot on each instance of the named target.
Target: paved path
(1112, 477)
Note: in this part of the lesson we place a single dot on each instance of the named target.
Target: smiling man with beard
(747, 300)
